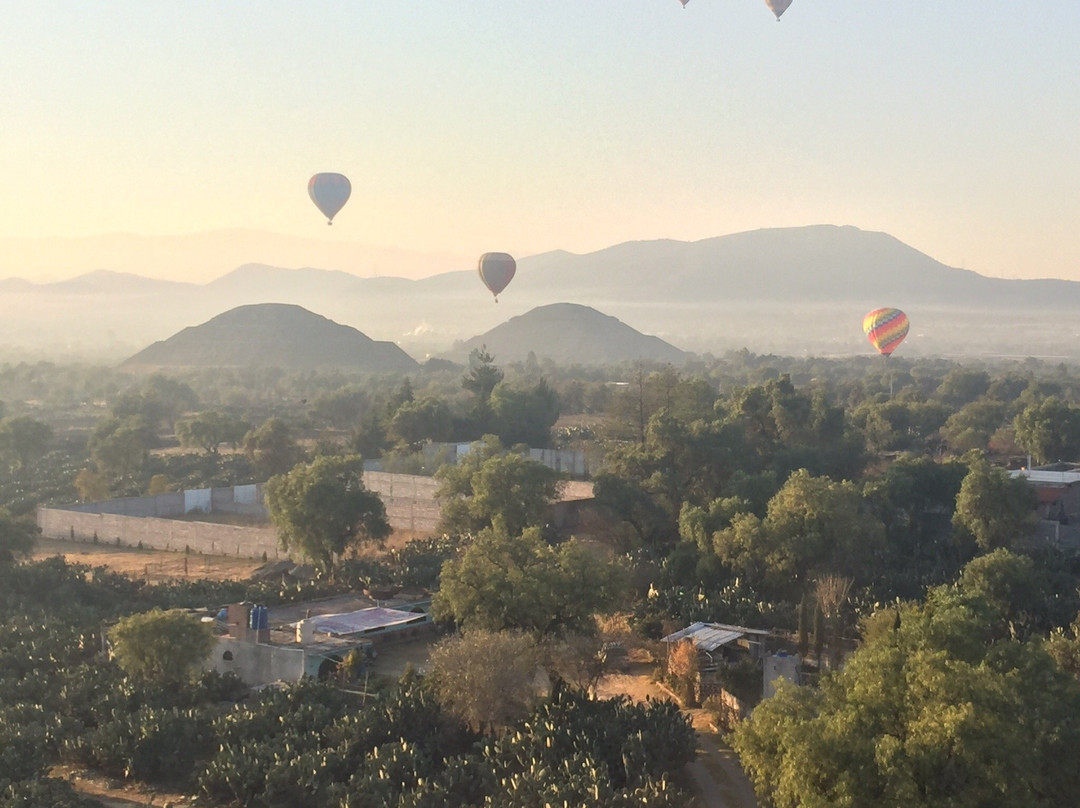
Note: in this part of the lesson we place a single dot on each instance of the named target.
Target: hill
(569, 333)
(800, 290)
(272, 334)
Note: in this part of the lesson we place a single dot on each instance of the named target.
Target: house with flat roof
(261, 647)
(1057, 487)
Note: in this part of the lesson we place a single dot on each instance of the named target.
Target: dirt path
(718, 778)
(117, 794)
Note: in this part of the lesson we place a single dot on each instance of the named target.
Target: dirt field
(161, 565)
(156, 565)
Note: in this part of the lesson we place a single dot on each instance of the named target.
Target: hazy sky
(469, 125)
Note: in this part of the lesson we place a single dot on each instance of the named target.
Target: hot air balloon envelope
(329, 192)
(886, 329)
(778, 7)
(496, 271)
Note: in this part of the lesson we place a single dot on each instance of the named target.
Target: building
(1057, 487)
(720, 646)
(261, 647)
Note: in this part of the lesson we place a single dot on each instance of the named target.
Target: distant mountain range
(272, 335)
(793, 291)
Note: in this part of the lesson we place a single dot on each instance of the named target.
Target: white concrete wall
(257, 663)
(161, 534)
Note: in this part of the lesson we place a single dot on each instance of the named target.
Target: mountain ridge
(715, 294)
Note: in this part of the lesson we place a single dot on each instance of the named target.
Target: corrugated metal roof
(710, 636)
(364, 620)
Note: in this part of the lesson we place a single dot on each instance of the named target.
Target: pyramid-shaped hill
(273, 335)
(570, 334)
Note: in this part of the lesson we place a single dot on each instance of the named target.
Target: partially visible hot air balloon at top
(329, 192)
(684, 2)
(886, 329)
(778, 7)
(496, 271)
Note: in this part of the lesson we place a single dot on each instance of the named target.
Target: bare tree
(488, 679)
(831, 593)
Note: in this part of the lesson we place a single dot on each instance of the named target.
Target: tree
(486, 678)
(580, 660)
(525, 415)
(92, 486)
(159, 484)
(814, 526)
(935, 709)
(483, 374)
(645, 484)
(322, 509)
(489, 487)
(159, 401)
(1049, 430)
(972, 426)
(16, 538)
(684, 668)
(272, 448)
(901, 424)
(341, 408)
(915, 499)
(962, 386)
(481, 379)
(992, 508)
(209, 429)
(417, 421)
(521, 582)
(23, 441)
(119, 447)
(160, 646)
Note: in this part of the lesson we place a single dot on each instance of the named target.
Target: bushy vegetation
(63, 700)
(838, 499)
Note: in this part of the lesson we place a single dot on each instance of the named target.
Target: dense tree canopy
(502, 581)
(814, 526)
(1049, 431)
(937, 708)
(992, 508)
(490, 486)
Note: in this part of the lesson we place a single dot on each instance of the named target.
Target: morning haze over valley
(798, 291)
(637, 404)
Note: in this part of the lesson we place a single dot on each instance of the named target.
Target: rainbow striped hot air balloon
(886, 329)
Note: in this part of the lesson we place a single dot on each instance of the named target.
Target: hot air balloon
(778, 7)
(684, 2)
(886, 329)
(496, 271)
(329, 192)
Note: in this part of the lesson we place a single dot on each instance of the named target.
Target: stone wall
(162, 534)
(409, 499)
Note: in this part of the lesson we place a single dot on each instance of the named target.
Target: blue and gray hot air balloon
(329, 192)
